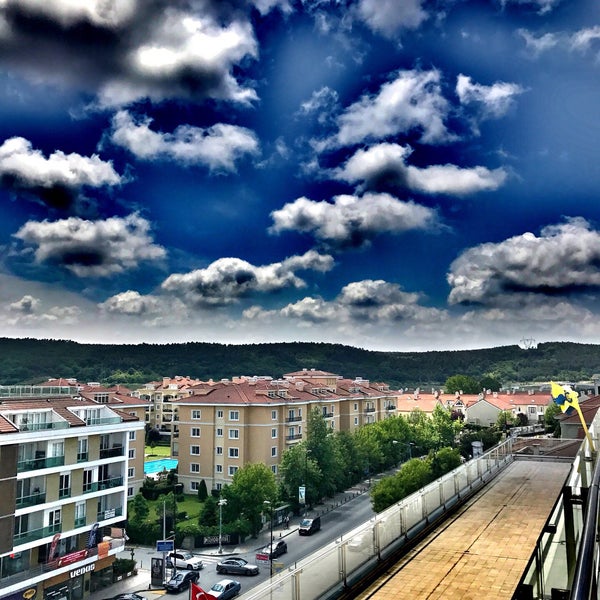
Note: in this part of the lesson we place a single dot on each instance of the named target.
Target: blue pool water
(155, 466)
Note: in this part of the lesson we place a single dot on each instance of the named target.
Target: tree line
(30, 361)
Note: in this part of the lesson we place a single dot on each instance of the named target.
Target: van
(309, 526)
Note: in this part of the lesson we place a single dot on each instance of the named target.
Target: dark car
(309, 526)
(131, 596)
(181, 581)
(237, 566)
(275, 549)
(225, 589)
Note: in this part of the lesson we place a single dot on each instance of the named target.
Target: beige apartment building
(224, 425)
(64, 464)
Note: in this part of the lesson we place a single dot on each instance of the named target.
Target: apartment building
(225, 425)
(162, 396)
(63, 484)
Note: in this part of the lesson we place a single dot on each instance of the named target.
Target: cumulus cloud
(29, 311)
(413, 100)
(563, 259)
(352, 221)
(128, 50)
(92, 248)
(359, 302)
(494, 100)
(26, 305)
(217, 147)
(386, 164)
(55, 179)
(227, 280)
(583, 39)
(539, 44)
(131, 303)
(388, 17)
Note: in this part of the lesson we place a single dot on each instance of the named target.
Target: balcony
(328, 415)
(36, 534)
(112, 482)
(33, 464)
(109, 513)
(43, 426)
(102, 420)
(112, 452)
(31, 500)
(390, 407)
(370, 409)
(293, 419)
(291, 438)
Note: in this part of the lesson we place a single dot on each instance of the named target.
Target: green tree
(252, 484)
(490, 383)
(138, 508)
(462, 383)
(505, 420)
(321, 449)
(444, 460)
(209, 515)
(298, 468)
(550, 421)
(202, 491)
(444, 428)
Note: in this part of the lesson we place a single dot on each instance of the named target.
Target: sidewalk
(140, 583)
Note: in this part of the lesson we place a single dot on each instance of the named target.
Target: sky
(399, 175)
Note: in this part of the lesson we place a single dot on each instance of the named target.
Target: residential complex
(64, 466)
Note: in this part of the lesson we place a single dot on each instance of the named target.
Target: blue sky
(388, 174)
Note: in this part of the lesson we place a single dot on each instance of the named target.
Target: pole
(221, 503)
(174, 532)
(268, 503)
(164, 554)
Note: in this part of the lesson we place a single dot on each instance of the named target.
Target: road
(334, 525)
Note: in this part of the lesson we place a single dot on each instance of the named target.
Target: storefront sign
(27, 594)
(82, 570)
(69, 559)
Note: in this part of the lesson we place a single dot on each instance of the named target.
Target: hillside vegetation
(27, 361)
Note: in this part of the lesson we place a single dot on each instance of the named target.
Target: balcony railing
(327, 415)
(370, 409)
(102, 420)
(289, 438)
(112, 482)
(43, 426)
(80, 522)
(64, 493)
(112, 452)
(109, 513)
(33, 464)
(390, 407)
(293, 419)
(31, 500)
(36, 534)
(82, 457)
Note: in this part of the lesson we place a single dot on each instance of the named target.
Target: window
(219, 432)
(54, 518)
(234, 452)
(274, 469)
(532, 410)
(219, 414)
(274, 451)
(64, 485)
(232, 471)
(132, 435)
(355, 406)
(274, 415)
(219, 450)
(356, 420)
(194, 486)
(273, 433)
(219, 468)
(196, 414)
(332, 411)
(195, 431)
(131, 472)
(332, 424)
(195, 468)
(219, 487)
(131, 453)
(194, 450)
(82, 449)
(129, 492)
(234, 434)
(234, 415)
(87, 480)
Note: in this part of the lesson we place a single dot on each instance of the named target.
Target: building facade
(223, 426)
(63, 482)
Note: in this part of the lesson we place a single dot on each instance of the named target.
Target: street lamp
(306, 453)
(267, 503)
(222, 502)
(409, 444)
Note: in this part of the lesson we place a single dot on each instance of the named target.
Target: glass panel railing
(33, 464)
(82, 457)
(112, 452)
(110, 483)
(109, 513)
(64, 493)
(31, 500)
(80, 522)
(102, 420)
(36, 534)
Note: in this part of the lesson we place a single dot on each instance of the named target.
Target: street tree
(463, 384)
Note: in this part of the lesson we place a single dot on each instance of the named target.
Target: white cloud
(227, 280)
(411, 101)
(542, 6)
(92, 248)
(26, 305)
(495, 99)
(132, 50)
(562, 260)
(131, 303)
(582, 40)
(265, 6)
(388, 17)
(27, 167)
(352, 220)
(538, 45)
(217, 147)
(387, 162)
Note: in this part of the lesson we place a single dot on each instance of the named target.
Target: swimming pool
(155, 466)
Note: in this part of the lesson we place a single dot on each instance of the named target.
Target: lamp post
(268, 503)
(222, 502)
(306, 453)
(409, 444)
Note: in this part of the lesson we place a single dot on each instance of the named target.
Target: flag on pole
(197, 593)
(568, 401)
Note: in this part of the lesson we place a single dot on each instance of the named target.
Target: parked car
(309, 526)
(225, 589)
(131, 596)
(237, 566)
(184, 560)
(277, 548)
(181, 581)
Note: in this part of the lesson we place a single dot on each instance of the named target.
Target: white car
(184, 560)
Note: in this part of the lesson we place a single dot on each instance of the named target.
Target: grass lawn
(190, 505)
(157, 452)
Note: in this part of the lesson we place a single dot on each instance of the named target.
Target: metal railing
(33, 464)
(347, 560)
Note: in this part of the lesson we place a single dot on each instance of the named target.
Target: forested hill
(28, 361)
